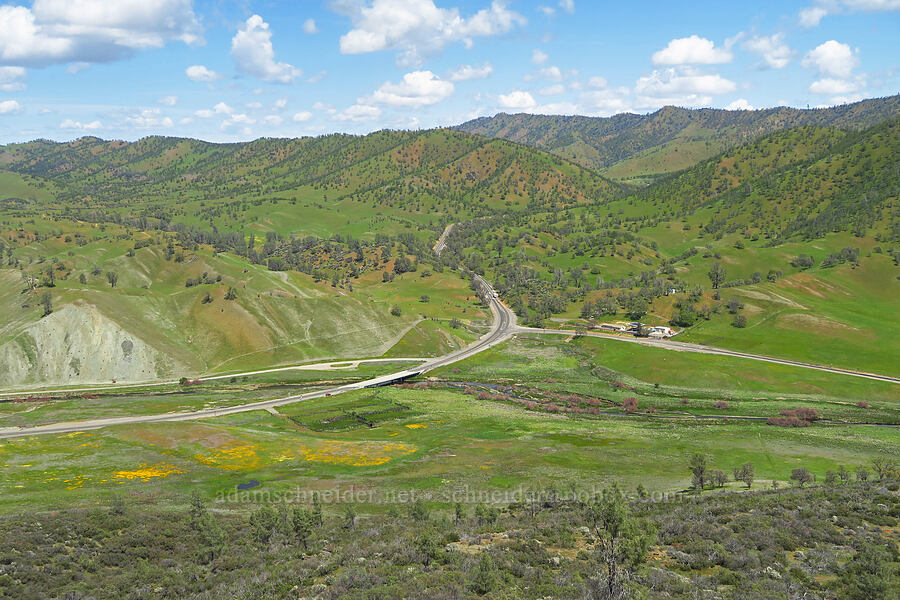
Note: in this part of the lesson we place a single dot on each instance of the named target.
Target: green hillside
(637, 148)
(803, 224)
(241, 256)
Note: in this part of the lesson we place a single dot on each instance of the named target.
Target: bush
(395, 310)
(630, 404)
(721, 404)
(862, 404)
(739, 321)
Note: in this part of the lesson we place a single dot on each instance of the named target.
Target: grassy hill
(317, 239)
(803, 223)
(639, 148)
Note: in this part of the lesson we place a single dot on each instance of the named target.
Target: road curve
(687, 347)
(504, 325)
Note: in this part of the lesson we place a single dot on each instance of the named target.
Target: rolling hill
(638, 148)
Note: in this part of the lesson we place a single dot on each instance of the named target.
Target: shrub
(862, 404)
(721, 404)
(395, 310)
(804, 413)
(630, 404)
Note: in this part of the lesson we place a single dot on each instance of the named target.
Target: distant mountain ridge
(631, 146)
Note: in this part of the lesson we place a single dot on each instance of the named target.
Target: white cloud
(64, 31)
(237, 119)
(204, 114)
(317, 77)
(551, 73)
(517, 100)
(280, 104)
(597, 82)
(254, 105)
(251, 48)
(418, 28)
(11, 79)
(831, 58)
(8, 107)
(70, 124)
(302, 117)
(605, 102)
(466, 72)
(359, 112)
(201, 73)
(811, 16)
(739, 104)
(776, 54)
(222, 109)
(680, 86)
(828, 85)
(309, 27)
(418, 89)
(538, 57)
(547, 10)
(552, 90)
(273, 120)
(567, 5)
(150, 118)
(693, 50)
(168, 100)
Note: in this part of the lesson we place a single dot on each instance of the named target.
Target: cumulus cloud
(516, 100)
(8, 107)
(693, 50)
(204, 113)
(739, 104)
(253, 54)
(605, 102)
(597, 82)
(65, 31)
(831, 58)
(550, 73)
(201, 73)
(150, 118)
(70, 124)
(418, 89)
(302, 117)
(829, 85)
(168, 100)
(466, 72)
(273, 120)
(680, 86)
(309, 27)
(418, 28)
(358, 112)
(775, 53)
(538, 57)
(567, 5)
(222, 109)
(811, 16)
(11, 79)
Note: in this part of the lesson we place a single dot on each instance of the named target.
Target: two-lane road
(504, 325)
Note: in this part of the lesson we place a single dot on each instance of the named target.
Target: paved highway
(686, 347)
(504, 325)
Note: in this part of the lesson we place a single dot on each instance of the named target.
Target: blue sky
(225, 70)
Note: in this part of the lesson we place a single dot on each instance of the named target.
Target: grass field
(444, 441)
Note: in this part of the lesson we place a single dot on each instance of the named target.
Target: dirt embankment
(78, 344)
